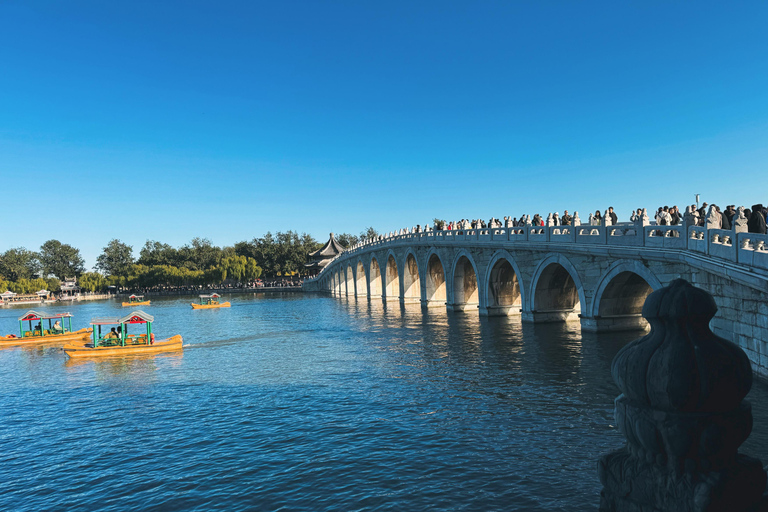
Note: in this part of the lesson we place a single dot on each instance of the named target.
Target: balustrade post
(683, 414)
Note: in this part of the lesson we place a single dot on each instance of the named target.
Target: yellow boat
(118, 342)
(136, 300)
(37, 334)
(210, 301)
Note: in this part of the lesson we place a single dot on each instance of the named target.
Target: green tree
(18, 264)
(116, 259)
(204, 254)
(61, 260)
(347, 240)
(252, 270)
(92, 282)
(368, 234)
(156, 253)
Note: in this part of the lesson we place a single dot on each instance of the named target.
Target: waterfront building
(323, 256)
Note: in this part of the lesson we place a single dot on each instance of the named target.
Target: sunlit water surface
(302, 402)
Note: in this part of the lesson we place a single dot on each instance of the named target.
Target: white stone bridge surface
(598, 275)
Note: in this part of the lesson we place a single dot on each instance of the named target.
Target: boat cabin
(210, 300)
(135, 298)
(113, 332)
(55, 324)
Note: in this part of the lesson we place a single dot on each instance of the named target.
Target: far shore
(208, 291)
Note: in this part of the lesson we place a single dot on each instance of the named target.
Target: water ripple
(306, 403)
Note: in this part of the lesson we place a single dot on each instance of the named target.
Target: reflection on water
(304, 402)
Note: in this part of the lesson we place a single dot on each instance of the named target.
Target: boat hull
(211, 306)
(144, 303)
(167, 345)
(81, 335)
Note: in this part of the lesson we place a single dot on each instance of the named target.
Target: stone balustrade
(743, 248)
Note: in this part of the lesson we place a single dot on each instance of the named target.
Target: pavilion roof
(136, 317)
(41, 315)
(330, 249)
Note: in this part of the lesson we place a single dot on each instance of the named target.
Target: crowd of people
(752, 220)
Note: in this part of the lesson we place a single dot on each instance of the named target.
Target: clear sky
(169, 120)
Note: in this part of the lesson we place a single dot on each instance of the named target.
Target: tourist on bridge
(597, 218)
(756, 222)
(614, 217)
(566, 219)
(703, 213)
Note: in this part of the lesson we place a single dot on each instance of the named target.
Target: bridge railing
(743, 248)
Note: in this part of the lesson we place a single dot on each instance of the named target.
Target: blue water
(306, 403)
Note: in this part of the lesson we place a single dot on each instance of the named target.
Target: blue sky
(170, 120)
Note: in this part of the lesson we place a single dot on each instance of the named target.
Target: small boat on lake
(111, 338)
(56, 331)
(136, 300)
(210, 301)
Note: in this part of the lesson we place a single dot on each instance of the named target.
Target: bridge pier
(500, 311)
(549, 317)
(465, 307)
(631, 322)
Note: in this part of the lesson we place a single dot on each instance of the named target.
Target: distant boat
(136, 300)
(210, 301)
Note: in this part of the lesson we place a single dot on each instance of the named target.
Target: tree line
(159, 264)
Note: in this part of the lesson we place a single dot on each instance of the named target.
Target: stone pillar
(683, 413)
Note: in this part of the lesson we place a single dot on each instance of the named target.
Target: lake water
(306, 403)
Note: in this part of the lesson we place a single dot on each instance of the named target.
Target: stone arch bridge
(597, 275)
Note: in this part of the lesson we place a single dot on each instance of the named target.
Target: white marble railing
(748, 249)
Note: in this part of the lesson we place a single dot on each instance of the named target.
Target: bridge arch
(374, 278)
(619, 298)
(504, 289)
(411, 278)
(465, 285)
(360, 279)
(557, 293)
(391, 278)
(436, 286)
(349, 281)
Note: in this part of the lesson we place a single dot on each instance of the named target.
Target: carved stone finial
(740, 222)
(683, 412)
(576, 219)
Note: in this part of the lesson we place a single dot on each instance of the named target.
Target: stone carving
(740, 221)
(714, 218)
(607, 220)
(527, 220)
(576, 219)
(690, 218)
(683, 413)
(591, 220)
(550, 221)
